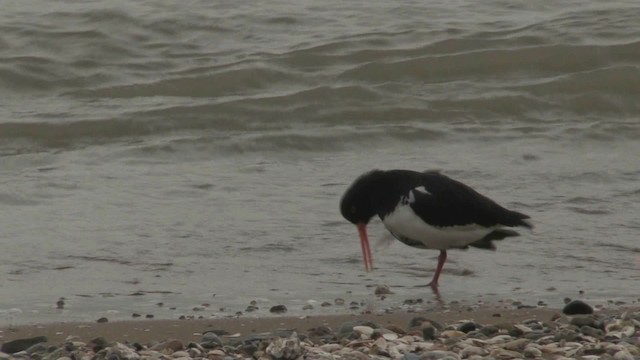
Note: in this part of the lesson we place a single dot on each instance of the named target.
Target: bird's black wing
(447, 202)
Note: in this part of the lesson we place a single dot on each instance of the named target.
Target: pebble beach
(577, 331)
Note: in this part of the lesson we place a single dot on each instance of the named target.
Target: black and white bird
(427, 210)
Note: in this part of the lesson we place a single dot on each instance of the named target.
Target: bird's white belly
(404, 222)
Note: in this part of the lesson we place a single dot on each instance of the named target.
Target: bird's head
(358, 207)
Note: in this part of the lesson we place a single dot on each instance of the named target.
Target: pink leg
(441, 259)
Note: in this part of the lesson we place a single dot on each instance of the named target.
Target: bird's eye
(353, 209)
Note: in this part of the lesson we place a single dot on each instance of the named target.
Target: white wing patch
(406, 223)
(423, 190)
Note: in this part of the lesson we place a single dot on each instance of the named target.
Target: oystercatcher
(427, 210)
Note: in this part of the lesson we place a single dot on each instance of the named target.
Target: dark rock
(137, 346)
(586, 320)
(489, 330)
(98, 343)
(467, 327)
(149, 316)
(210, 340)
(419, 321)
(591, 331)
(429, 332)
(249, 349)
(18, 345)
(102, 320)
(135, 315)
(69, 346)
(320, 331)
(217, 332)
(278, 309)
(594, 351)
(525, 306)
(577, 307)
(382, 290)
(251, 308)
(515, 332)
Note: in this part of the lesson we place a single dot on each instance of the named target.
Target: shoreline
(489, 333)
(144, 330)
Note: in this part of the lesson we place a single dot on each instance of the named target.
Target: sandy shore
(144, 331)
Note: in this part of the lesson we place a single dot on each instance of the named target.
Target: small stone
(577, 307)
(102, 320)
(467, 327)
(210, 340)
(439, 354)
(516, 345)
(396, 329)
(320, 331)
(473, 350)
(585, 320)
(172, 345)
(419, 321)
(411, 356)
(135, 315)
(593, 332)
(338, 301)
(489, 330)
(307, 307)
(37, 348)
(98, 343)
(451, 334)
(532, 353)
(382, 290)
(121, 351)
(367, 331)
(149, 316)
(429, 332)
(346, 328)
(278, 309)
(505, 354)
(566, 335)
(285, 348)
(325, 304)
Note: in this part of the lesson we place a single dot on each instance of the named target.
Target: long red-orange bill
(366, 251)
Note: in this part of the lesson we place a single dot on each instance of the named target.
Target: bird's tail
(497, 234)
